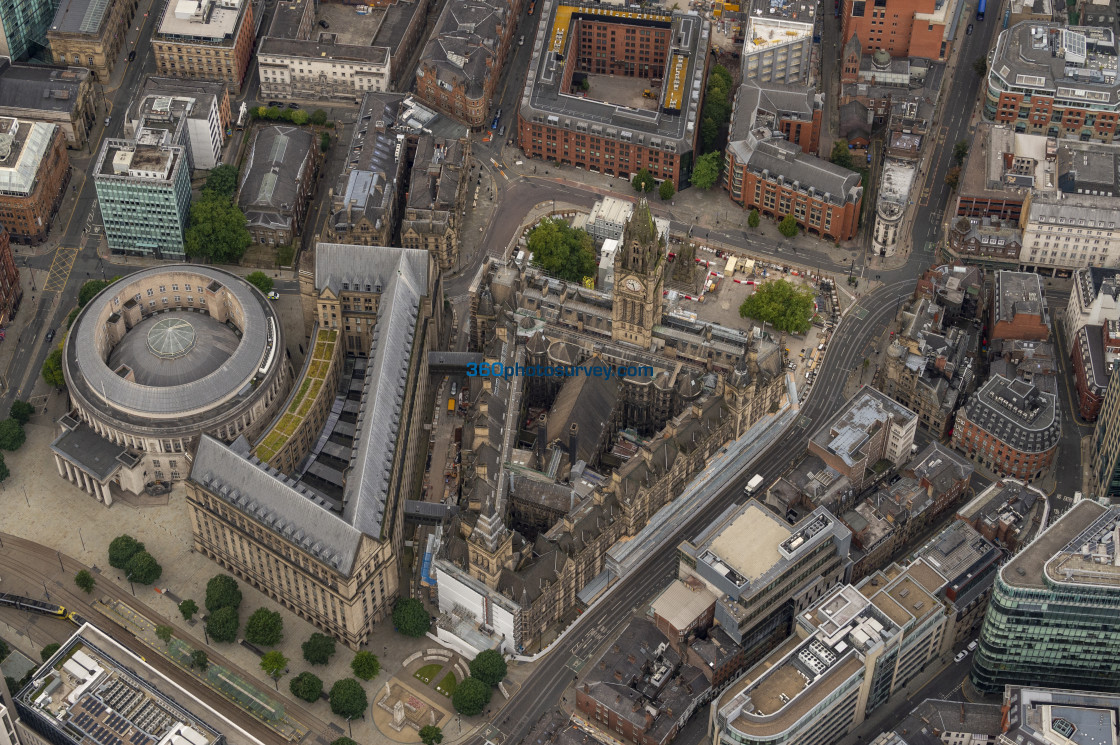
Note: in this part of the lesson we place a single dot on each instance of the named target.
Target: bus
(980, 10)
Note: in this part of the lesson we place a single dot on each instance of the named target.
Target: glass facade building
(1104, 471)
(25, 24)
(145, 196)
(1054, 615)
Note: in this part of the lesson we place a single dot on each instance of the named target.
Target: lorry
(754, 483)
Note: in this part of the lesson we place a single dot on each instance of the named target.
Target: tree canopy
(85, 581)
(716, 110)
(12, 435)
(563, 251)
(90, 289)
(470, 697)
(222, 592)
(261, 281)
(21, 411)
(222, 625)
(199, 660)
(264, 627)
(318, 117)
(783, 306)
(705, 174)
(306, 686)
(348, 698)
(217, 231)
(841, 155)
(960, 150)
(164, 633)
(788, 226)
(753, 219)
(222, 180)
(274, 663)
(52, 369)
(666, 190)
(431, 734)
(489, 666)
(643, 181)
(365, 665)
(47, 651)
(318, 649)
(188, 608)
(122, 549)
(143, 568)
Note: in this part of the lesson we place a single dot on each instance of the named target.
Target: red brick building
(11, 292)
(904, 28)
(35, 169)
(778, 179)
(206, 41)
(1095, 350)
(1009, 427)
(1019, 309)
(943, 474)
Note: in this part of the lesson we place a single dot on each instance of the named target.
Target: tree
(788, 226)
(188, 608)
(410, 617)
(470, 697)
(324, 141)
(841, 155)
(666, 190)
(261, 281)
(274, 664)
(272, 113)
(431, 735)
(753, 219)
(164, 633)
(199, 660)
(980, 66)
(585, 84)
(705, 174)
(12, 435)
(21, 411)
(143, 568)
(348, 698)
(122, 549)
(48, 651)
(489, 666)
(264, 627)
(90, 290)
(85, 581)
(300, 117)
(318, 117)
(4, 472)
(5, 650)
(783, 306)
(365, 665)
(222, 180)
(960, 150)
(306, 686)
(318, 649)
(709, 134)
(222, 592)
(52, 369)
(643, 181)
(217, 230)
(562, 251)
(222, 625)
(953, 177)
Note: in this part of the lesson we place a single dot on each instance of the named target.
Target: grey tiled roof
(1017, 413)
(80, 16)
(782, 158)
(269, 186)
(466, 38)
(40, 87)
(90, 451)
(755, 100)
(272, 498)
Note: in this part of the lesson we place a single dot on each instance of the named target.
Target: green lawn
(427, 673)
(447, 685)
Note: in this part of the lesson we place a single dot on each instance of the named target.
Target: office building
(325, 540)
(34, 173)
(90, 34)
(437, 198)
(1063, 233)
(868, 429)
(144, 191)
(11, 291)
(623, 122)
(459, 67)
(1019, 310)
(779, 41)
(277, 181)
(1104, 456)
(312, 71)
(94, 690)
(1095, 352)
(1010, 427)
(902, 28)
(853, 650)
(794, 110)
(1054, 80)
(896, 181)
(1051, 619)
(65, 96)
(154, 362)
(1094, 299)
(192, 120)
(764, 571)
(1007, 512)
(23, 28)
(985, 241)
(1058, 716)
(207, 39)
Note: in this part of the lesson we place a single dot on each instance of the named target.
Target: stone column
(58, 464)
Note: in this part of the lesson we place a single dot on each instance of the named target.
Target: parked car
(273, 295)
(521, 41)
(494, 124)
(107, 120)
(275, 105)
(502, 131)
(324, 24)
(132, 55)
(960, 656)
(969, 29)
(293, 105)
(972, 645)
(50, 336)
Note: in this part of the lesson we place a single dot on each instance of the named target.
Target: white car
(972, 645)
(960, 656)
(273, 295)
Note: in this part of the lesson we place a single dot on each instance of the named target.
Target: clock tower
(639, 276)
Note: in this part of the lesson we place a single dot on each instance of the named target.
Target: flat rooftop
(851, 428)
(749, 545)
(897, 180)
(201, 20)
(1080, 61)
(1066, 535)
(804, 11)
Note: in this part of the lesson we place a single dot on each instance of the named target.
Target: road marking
(804, 421)
(930, 247)
(860, 312)
(64, 258)
(575, 664)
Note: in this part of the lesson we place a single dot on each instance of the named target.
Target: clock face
(633, 285)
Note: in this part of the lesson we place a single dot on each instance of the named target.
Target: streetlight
(349, 727)
(129, 578)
